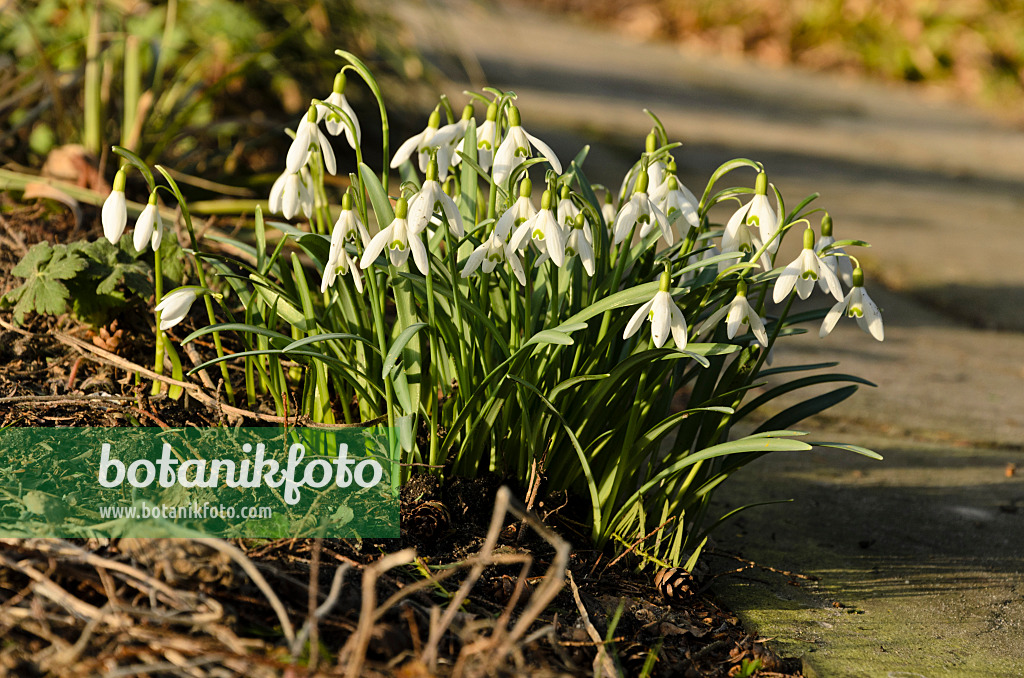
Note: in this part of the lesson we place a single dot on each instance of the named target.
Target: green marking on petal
(538, 234)
(753, 220)
(397, 245)
(522, 152)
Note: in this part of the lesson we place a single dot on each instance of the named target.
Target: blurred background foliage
(204, 86)
(971, 49)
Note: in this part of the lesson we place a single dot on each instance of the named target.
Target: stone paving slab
(919, 560)
(921, 556)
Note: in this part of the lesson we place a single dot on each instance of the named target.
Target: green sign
(212, 482)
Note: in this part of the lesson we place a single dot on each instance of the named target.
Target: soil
(183, 607)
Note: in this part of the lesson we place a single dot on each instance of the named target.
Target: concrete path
(920, 557)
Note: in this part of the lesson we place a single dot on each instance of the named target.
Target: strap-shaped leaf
(396, 348)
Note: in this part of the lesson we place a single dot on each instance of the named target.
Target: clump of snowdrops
(498, 315)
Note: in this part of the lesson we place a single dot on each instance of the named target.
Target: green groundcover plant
(500, 317)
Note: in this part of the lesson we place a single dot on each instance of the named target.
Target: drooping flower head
(642, 212)
(398, 241)
(804, 271)
(520, 211)
(738, 314)
(431, 138)
(175, 305)
(663, 312)
(149, 229)
(758, 213)
(608, 209)
(856, 304)
(115, 210)
(335, 123)
(348, 227)
(678, 203)
(740, 234)
(515, 149)
(836, 258)
(309, 138)
(544, 231)
(566, 210)
(486, 139)
(432, 198)
(580, 241)
(491, 253)
(290, 193)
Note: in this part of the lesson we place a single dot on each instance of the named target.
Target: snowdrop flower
(520, 211)
(490, 254)
(149, 229)
(399, 242)
(290, 192)
(580, 241)
(429, 138)
(544, 231)
(348, 225)
(836, 259)
(336, 124)
(515, 148)
(340, 261)
(803, 272)
(640, 210)
(739, 237)
(307, 138)
(608, 209)
(677, 202)
(430, 198)
(567, 210)
(175, 305)
(115, 210)
(738, 314)
(665, 316)
(857, 304)
(486, 140)
(760, 213)
(455, 134)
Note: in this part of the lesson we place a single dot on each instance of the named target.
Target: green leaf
(584, 465)
(334, 336)
(851, 448)
(771, 441)
(44, 268)
(575, 381)
(400, 341)
(789, 386)
(236, 327)
(378, 196)
(808, 408)
(285, 309)
(549, 337)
